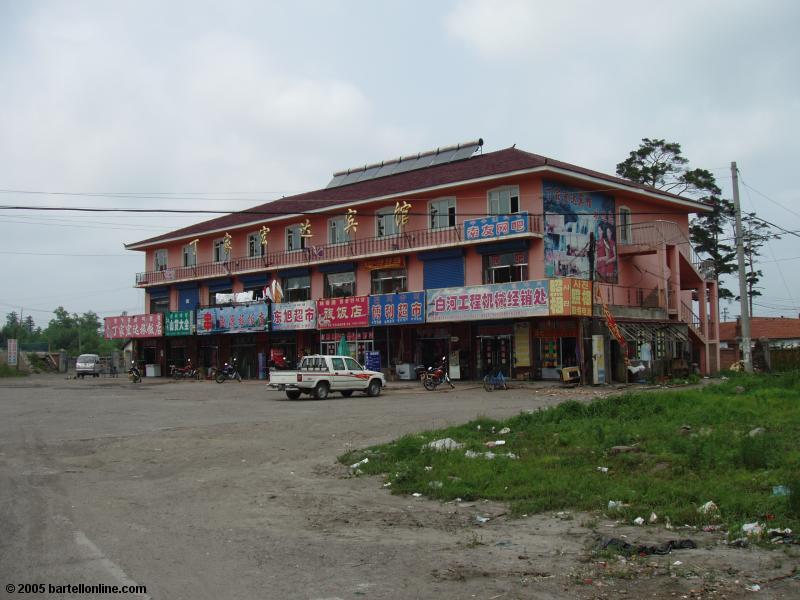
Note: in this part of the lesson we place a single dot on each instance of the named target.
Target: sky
(228, 105)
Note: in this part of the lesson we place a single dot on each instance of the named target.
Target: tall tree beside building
(661, 164)
(755, 234)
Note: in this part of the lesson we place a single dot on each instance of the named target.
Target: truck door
(356, 375)
(339, 378)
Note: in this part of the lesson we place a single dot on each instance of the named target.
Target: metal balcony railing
(635, 297)
(357, 249)
(688, 316)
(660, 232)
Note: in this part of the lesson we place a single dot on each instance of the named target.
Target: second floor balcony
(387, 245)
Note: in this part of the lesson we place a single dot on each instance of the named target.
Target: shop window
(296, 289)
(160, 260)
(443, 213)
(254, 247)
(220, 254)
(389, 282)
(212, 296)
(505, 268)
(386, 224)
(159, 305)
(336, 231)
(189, 255)
(294, 241)
(340, 285)
(624, 226)
(504, 201)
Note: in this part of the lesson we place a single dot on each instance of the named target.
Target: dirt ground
(204, 491)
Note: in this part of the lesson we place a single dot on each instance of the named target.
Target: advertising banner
(570, 297)
(570, 216)
(12, 352)
(496, 301)
(343, 313)
(133, 326)
(397, 309)
(178, 323)
(233, 319)
(289, 316)
(500, 226)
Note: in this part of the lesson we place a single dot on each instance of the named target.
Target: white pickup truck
(320, 375)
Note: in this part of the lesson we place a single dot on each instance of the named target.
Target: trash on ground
(625, 449)
(428, 468)
(489, 455)
(755, 528)
(416, 495)
(667, 523)
(753, 588)
(495, 443)
(435, 484)
(359, 463)
(624, 547)
(780, 490)
(638, 521)
(677, 563)
(708, 507)
(739, 543)
(387, 484)
(504, 430)
(511, 455)
(616, 505)
(481, 519)
(711, 528)
(445, 444)
(653, 518)
(603, 469)
(740, 389)
(757, 431)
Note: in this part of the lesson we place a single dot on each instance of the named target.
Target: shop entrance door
(494, 352)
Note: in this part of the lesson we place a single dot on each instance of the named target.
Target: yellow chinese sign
(401, 213)
(305, 229)
(350, 223)
(263, 233)
(226, 243)
(570, 297)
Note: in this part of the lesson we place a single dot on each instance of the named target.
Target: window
(296, 289)
(505, 268)
(624, 226)
(340, 285)
(337, 364)
(293, 239)
(159, 305)
(254, 247)
(189, 255)
(443, 213)
(504, 201)
(352, 364)
(385, 222)
(220, 254)
(336, 232)
(258, 291)
(160, 260)
(389, 282)
(212, 296)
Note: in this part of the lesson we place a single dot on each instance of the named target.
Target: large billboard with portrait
(570, 215)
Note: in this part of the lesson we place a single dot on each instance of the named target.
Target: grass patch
(6, 371)
(676, 469)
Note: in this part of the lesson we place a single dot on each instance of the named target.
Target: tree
(661, 164)
(28, 324)
(755, 234)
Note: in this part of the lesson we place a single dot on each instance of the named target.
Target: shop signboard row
(133, 326)
(555, 297)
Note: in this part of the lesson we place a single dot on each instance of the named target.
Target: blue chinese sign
(397, 309)
(233, 319)
(499, 226)
(494, 301)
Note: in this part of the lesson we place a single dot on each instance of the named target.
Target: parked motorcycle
(133, 373)
(185, 372)
(228, 371)
(433, 378)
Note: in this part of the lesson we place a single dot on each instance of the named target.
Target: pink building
(487, 259)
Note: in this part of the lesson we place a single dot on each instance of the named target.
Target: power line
(138, 256)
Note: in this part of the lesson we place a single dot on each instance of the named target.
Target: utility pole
(744, 307)
(724, 314)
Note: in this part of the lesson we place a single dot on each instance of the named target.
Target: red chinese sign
(133, 326)
(333, 313)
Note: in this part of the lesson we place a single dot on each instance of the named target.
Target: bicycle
(495, 382)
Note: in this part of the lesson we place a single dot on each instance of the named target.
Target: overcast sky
(228, 105)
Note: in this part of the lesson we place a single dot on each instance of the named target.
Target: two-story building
(488, 259)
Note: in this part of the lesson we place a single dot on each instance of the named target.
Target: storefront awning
(634, 331)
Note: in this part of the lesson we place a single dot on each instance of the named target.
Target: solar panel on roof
(406, 165)
(444, 157)
(387, 169)
(337, 180)
(352, 177)
(465, 152)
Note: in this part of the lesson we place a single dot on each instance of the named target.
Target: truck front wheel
(374, 388)
(321, 391)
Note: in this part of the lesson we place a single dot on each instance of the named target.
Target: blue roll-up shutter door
(444, 272)
(188, 298)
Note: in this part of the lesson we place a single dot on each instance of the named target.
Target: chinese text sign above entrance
(571, 297)
(233, 319)
(178, 323)
(498, 301)
(495, 227)
(397, 309)
(133, 326)
(288, 316)
(343, 313)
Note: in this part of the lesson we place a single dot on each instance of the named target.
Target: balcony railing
(688, 316)
(401, 243)
(659, 232)
(636, 297)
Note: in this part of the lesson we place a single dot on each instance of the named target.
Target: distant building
(482, 258)
(778, 332)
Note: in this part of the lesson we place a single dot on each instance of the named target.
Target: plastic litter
(445, 444)
(757, 431)
(416, 495)
(481, 519)
(638, 521)
(780, 490)
(472, 454)
(359, 463)
(623, 547)
(504, 430)
(429, 468)
(435, 484)
(753, 528)
(653, 518)
(495, 443)
(489, 455)
(616, 505)
(603, 469)
(753, 588)
(677, 563)
(708, 507)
